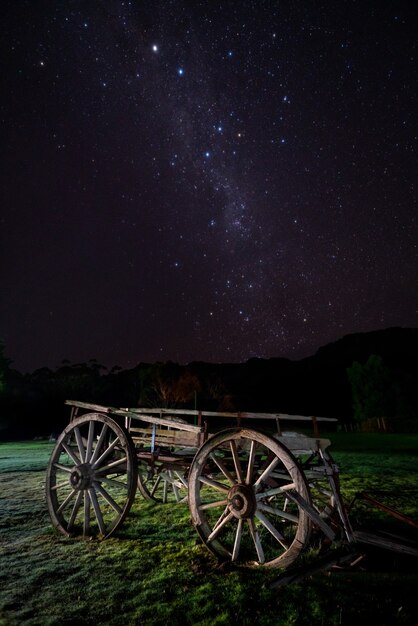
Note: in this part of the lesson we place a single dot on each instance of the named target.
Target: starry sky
(205, 180)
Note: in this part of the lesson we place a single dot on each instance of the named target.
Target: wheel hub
(241, 501)
(81, 476)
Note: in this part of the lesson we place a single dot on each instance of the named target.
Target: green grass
(155, 571)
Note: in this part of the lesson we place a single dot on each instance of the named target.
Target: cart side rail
(129, 414)
(171, 417)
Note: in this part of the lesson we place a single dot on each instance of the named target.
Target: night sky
(205, 180)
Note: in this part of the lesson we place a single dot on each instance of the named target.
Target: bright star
(180, 71)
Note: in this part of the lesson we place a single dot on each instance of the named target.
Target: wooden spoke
(238, 504)
(267, 524)
(80, 444)
(219, 527)
(99, 444)
(89, 447)
(256, 540)
(157, 482)
(237, 542)
(277, 512)
(106, 453)
(175, 489)
(237, 463)
(63, 468)
(111, 481)
(182, 480)
(213, 483)
(75, 510)
(92, 496)
(64, 483)
(110, 466)
(274, 491)
(165, 491)
(213, 505)
(97, 510)
(266, 472)
(223, 469)
(67, 501)
(250, 466)
(70, 453)
(86, 521)
(108, 498)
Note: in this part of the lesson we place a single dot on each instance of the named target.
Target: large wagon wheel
(91, 477)
(245, 490)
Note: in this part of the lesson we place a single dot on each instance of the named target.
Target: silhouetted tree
(168, 385)
(372, 388)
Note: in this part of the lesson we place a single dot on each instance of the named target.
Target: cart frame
(241, 483)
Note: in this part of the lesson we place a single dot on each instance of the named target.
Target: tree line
(368, 390)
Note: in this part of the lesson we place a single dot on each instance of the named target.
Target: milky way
(205, 180)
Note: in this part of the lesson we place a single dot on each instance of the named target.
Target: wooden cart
(255, 492)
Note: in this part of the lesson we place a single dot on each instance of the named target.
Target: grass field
(155, 570)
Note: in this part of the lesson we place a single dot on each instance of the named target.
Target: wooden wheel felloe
(91, 477)
(245, 495)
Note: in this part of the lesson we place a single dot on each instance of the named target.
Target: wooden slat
(166, 437)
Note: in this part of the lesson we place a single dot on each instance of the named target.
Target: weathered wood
(165, 437)
(387, 509)
(93, 456)
(89, 406)
(245, 476)
(372, 539)
(196, 413)
(151, 419)
(235, 415)
(300, 444)
(334, 557)
(314, 516)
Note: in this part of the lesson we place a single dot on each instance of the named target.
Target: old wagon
(255, 490)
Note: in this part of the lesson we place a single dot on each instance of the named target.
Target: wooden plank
(150, 412)
(299, 444)
(237, 415)
(88, 405)
(151, 419)
(387, 544)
